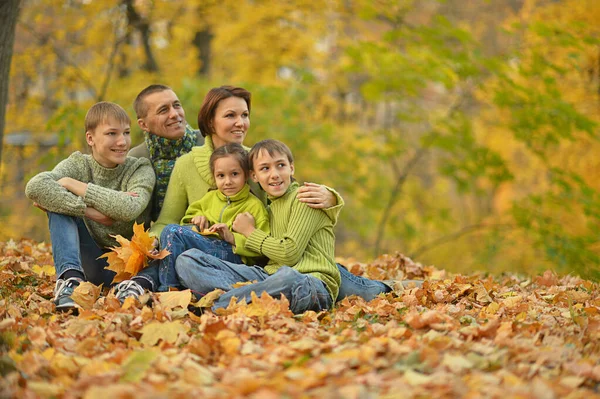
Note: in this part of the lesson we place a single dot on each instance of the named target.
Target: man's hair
(211, 102)
(272, 147)
(100, 113)
(139, 105)
(236, 151)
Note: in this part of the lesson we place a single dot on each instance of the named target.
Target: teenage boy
(300, 246)
(167, 135)
(88, 198)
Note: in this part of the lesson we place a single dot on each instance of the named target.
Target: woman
(224, 118)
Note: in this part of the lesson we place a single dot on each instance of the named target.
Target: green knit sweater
(219, 208)
(106, 192)
(190, 181)
(301, 237)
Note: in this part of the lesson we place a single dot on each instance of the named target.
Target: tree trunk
(9, 11)
(135, 20)
(202, 42)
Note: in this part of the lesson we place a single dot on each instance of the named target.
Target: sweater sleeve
(334, 212)
(175, 203)
(288, 250)
(261, 218)
(119, 205)
(49, 194)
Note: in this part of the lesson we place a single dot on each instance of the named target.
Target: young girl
(212, 216)
(90, 198)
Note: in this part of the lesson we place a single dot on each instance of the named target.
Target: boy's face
(110, 142)
(229, 175)
(273, 173)
(165, 116)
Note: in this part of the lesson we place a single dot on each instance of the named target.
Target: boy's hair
(100, 113)
(271, 146)
(235, 150)
(211, 102)
(139, 105)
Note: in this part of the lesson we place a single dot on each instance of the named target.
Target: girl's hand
(223, 231)
(201, 222)
(316, 196)
(244, 224)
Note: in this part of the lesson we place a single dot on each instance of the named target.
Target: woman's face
(231, 121)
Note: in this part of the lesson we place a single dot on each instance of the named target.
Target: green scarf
(163, 154)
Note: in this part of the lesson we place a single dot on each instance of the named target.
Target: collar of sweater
(201, 156)
(101, 172)
(239, 196)
(292, 187)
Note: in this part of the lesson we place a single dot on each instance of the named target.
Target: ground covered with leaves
(456, 336)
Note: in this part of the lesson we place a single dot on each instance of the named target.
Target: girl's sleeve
(44, 188)
(288, 250)
(261, 218)
(119, 205)
(175, 203)
(195, 209)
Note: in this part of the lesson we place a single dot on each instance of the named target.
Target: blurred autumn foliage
(467, 335)
(461, 132)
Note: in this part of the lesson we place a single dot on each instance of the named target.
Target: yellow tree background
(462, 133)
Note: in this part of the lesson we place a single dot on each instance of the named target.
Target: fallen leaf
(86, 294)
(168, 332)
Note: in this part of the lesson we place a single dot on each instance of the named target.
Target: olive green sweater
(106, 192)
(301, 237)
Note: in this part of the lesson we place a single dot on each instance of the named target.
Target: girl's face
(110, 142)
(229, 175)
(231, 121)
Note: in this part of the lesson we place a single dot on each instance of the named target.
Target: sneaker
(128, 288)
(63, 291)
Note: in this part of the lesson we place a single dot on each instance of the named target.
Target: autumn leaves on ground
(457, 336)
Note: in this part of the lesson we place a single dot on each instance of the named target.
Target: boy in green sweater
(88, 198)
(300, 246)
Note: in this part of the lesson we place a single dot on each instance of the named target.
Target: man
(167, 136)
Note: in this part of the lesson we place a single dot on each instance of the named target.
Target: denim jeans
(361, 286)
(73, 248)
(178, 239)
(203, 273)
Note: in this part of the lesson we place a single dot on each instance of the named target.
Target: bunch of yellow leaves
(132, 256)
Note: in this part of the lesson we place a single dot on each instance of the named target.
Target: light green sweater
(301, 237)
(190, 181)
(219, 208)
(106, 192)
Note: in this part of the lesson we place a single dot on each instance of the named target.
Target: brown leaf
(86, 294)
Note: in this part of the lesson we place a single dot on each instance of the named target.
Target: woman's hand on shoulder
(316, 196)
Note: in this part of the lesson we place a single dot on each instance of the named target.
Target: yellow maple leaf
(86, 294)
(132, 256)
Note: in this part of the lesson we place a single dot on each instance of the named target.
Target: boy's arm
(289, 249)
(47, 192)
(121, 205)
(175, 203)
(262, 223)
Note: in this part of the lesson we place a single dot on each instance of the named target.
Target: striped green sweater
(301, 237)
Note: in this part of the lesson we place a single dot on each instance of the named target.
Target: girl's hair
(103, 111)
(272, 147)
(211, 102)
(232, 149)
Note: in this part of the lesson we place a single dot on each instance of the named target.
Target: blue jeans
(361, 286)
(203, 273)
(178, 239)
(73, 248)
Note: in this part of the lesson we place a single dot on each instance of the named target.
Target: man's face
(165, 116)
